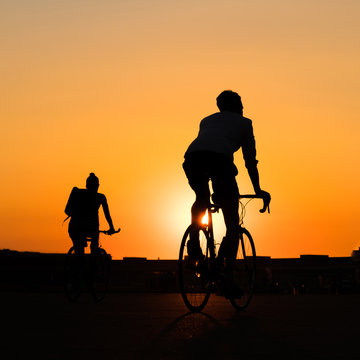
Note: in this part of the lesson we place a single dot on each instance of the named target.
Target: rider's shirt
(224, 133)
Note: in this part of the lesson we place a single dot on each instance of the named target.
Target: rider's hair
(228, 100)
(92, 181)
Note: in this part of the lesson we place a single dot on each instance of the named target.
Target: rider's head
(229, 101)
(92, 182)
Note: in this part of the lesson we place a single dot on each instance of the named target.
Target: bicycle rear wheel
(73, 275)
(244, 270)
(100, 274)
(193, 275)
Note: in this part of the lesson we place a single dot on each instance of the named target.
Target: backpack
(75, 204)
(69, 209)
(80, 204)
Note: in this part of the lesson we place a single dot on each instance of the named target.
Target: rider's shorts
(79, 232)
(202, 166)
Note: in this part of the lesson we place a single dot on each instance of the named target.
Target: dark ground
(158, 326)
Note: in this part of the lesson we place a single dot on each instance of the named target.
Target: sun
(205, 219)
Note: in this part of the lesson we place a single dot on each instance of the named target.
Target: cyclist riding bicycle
(210, 157)
(83, 209)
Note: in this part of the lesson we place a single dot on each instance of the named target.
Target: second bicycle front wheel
(244, 270)
(193, 274)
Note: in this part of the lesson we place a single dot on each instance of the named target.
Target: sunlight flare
(205, 219)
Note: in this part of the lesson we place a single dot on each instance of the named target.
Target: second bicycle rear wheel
(244, 270)
(193, 275)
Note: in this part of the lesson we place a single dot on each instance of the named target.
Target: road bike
(91, 270)
(198, 278)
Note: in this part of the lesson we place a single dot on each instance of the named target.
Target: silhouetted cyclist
(210, 157)
(83, 209)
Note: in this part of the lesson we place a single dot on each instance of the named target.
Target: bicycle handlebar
(266, 199)
(108, 232)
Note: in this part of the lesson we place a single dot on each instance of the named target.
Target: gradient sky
(119, 88)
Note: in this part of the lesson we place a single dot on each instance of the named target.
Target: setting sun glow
(205, 219)
(118, 88)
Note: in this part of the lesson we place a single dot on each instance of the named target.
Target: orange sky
(119, 88)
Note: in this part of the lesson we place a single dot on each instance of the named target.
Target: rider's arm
(249, 154)
(252, 169)
(107, 213)
(254, 177)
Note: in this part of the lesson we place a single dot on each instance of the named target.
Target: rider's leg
(78, 243)
(226, 193)
(230, 243)
(94, 250)
(200, 205)
(195, 170)
(94, 246)
(197, 213)
(77, 236)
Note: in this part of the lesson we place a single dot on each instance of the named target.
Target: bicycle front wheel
(73, 274)
(193, 275)
(244, 270)
(100, 274)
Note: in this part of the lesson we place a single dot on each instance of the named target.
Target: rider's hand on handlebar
(266, 198)
(112, 231)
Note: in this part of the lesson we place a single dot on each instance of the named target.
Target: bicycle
(199, 278)
(91, 268)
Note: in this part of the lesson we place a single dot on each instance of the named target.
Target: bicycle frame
(96, 266)
(214, 208)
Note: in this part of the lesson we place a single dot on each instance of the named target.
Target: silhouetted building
(309, 274)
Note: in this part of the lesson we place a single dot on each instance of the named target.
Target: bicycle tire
(244, 270)
(193, 276)
(72, 275)
(100, 274)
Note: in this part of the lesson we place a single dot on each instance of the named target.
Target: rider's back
(223, 132)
